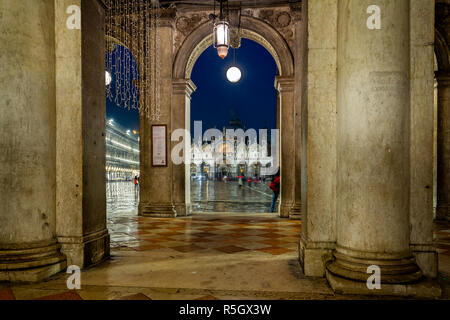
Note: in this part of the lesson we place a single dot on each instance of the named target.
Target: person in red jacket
(275, 186)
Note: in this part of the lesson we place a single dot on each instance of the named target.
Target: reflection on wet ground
(206, 196)
(218, 196)
(121, 196)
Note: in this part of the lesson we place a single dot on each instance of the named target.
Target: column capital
(183, 86)
(284, 84)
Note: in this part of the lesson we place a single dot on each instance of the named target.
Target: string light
(133, 56)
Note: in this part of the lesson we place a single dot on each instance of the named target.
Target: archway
(123, 102)
(193, 46)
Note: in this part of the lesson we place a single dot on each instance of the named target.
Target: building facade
(122, 152)
(233, 153)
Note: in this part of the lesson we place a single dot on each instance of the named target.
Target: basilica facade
(233, 155)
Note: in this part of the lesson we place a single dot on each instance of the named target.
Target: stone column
(422, 136)
(80, 141)
(318, 153)
(156, 188)
(300, 61)
(373, 137)
(285, 87)
(181, 110)
(28, 247)
(443, 147)
(278, 111)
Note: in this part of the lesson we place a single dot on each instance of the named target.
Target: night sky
(253, 99)
(217, 101)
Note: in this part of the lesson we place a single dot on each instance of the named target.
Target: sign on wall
(159, 145)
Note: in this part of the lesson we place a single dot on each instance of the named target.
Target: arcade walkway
(207, 256)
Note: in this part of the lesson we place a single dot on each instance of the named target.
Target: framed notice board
(159, 145)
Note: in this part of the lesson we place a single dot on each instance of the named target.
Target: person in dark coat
(275, 186)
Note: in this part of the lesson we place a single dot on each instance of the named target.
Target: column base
(426, 258)
(285, 210)
(313, 256)
(295, 213)
(34, 263)
(400, 276)
(428, 289)
(183, 210)
(395, 268)
(157, 210)
(87, 250)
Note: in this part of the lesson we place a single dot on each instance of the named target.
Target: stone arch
(252, 28)
(192, 47)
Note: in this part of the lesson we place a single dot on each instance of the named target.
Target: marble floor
(204, 256)
(228, 255)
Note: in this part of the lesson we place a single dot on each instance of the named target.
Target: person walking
(136, 183)
(275, 186)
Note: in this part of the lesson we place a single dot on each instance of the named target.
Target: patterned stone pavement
(230, 248)
(226, 234)
(204, 256)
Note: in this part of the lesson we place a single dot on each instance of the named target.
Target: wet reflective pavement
(232, 256)
(206, 196)
(218, 196)
(121, 196)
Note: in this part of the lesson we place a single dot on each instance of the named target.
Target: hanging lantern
(222, 38)
(221, 32)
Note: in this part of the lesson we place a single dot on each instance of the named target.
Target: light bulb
(234, 74)
(108, 78)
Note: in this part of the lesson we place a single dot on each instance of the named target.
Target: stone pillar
(156, 188)
(80, 139)
(318, 152)
(443, 147)
(278, 112)
(422, 136)
(285, 87)
(300, 61)
(28, 247)
(181, 109)
(373, 136)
